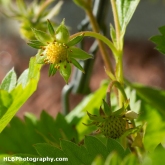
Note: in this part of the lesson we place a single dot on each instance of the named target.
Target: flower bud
(62, 33)
(131, 115)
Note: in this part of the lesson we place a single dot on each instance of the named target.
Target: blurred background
(142, 63)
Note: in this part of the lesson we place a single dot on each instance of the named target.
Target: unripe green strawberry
(113, 127)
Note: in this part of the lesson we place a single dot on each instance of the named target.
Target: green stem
(119, 86)
(119, 47)
(119, 75)
(97, 36)
(116, 21)
(102, 48)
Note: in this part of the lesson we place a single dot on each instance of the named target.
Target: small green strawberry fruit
(113, 124)
(113, 127)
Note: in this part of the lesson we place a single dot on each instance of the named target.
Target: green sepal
(95, 117)
(65, 71)
(50, 28)
(52, 70)
(39, 58)
(75, 40)
(77, 65)
(62, 34)
(107, 108)
(92, 123)
(132, 131)
(79, 54)
(119, 111)
(42, 36)
(101, 112)
(36, 44)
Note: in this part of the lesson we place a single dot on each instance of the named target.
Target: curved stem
(97, 36)
(109, 89)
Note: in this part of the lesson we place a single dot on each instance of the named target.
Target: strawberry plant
(120, 123)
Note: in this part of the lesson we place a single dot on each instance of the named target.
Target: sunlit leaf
(20, 93)
(126, 9)
(159, 40)
(9, 82)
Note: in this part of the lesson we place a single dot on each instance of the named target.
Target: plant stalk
(102, 48)
(116, 21)
(119, 47)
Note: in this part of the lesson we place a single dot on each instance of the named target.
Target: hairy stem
(116, 21)
(102, 48)
(119, 47)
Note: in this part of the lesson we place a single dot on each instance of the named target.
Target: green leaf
(5, 101)
(75, 40)
(47, 150)
(113, 145)
(77, 155)
(65, 71)
(9, 82)
(25, 92)
(162, 30)
(98, 161)
(113, 159)
(23, 78)
(76, 64)
(78, 54)
(50, 28)
(52, 70)
(95, 147)
(130, 159)
(152, 112)
(152, 96)
(159, 40)
(45, 129)
(154, 133)
(126, 9)
(42, 36)
(157, 156)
